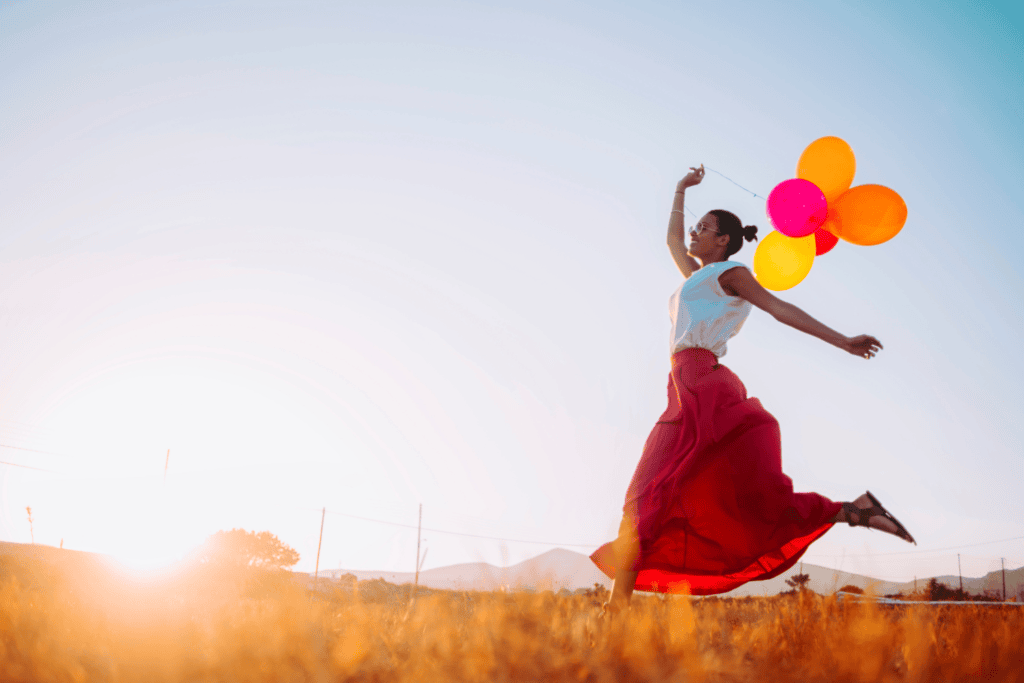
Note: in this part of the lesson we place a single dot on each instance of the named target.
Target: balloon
(824, 240)
(781, 262)
(796, 207)
(867, 215)
(828, 163)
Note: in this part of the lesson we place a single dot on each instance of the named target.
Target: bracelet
(677, 211)
(680, 191)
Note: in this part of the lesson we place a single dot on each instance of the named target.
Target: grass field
(87, 622)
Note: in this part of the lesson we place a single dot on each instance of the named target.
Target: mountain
(553, 570)
(562, 568)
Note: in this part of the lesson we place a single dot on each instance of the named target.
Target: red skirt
(708, 501)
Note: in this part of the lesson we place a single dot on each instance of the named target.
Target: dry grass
(92, 625)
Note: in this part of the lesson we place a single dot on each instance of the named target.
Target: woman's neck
(718, 258)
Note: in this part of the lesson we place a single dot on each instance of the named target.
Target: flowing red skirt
(708, 501)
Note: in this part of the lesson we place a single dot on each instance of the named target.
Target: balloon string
(735, 183)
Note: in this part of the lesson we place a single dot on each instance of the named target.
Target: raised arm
(739, 282)
(677, 224)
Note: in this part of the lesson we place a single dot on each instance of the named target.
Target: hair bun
(750, 232)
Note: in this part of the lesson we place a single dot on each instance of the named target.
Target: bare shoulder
(737, 275)
(739, 281)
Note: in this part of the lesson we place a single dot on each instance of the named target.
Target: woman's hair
(729, 224)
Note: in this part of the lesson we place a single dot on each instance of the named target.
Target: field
(83, 621)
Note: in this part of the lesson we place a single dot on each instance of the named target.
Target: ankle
(614, 608)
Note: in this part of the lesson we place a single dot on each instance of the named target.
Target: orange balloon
(867, 215)
(828, 163)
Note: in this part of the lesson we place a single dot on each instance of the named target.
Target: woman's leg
(627, 545)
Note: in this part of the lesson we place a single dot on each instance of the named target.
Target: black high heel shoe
(865, 514)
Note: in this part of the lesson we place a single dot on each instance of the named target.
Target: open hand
(692, 178)
(863, 345)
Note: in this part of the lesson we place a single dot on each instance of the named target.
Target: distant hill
(553, 570)
(562, 568)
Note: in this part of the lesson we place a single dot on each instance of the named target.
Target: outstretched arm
(677, 224)
(740, 282)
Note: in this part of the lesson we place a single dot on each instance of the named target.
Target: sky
(364, 257)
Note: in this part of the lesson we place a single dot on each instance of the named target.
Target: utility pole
(961, 571)
(31, 530)
(167, 461)
(316, 571)
(1002, 561)
(419, 533)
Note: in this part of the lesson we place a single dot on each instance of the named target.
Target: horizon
(164, 569)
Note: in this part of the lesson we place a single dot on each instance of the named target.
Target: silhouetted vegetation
(598, 593)
(798, 581)
(940, 591)
(241, 548)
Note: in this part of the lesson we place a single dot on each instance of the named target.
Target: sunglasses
(700, 228)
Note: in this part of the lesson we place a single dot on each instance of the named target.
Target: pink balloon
(796, 207)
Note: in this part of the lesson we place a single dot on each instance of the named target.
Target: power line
(30, 450)
(7, 423)
(594, 545)
(955, 547)
(952, 547)
(921, 552)
(461, 533)
(27, 467)
(514, 540)
(23, 432)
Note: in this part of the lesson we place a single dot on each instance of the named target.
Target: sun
(148, 562)
(156, 541)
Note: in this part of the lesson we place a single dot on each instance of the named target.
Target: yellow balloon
(782, 262)
(828, 163)
(867, 215)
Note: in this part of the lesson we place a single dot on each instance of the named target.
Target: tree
(939, 591)
(798, 581)
(239, 548)
(598, 592)
(850, 588)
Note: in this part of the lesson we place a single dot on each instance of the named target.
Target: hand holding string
(692, 178)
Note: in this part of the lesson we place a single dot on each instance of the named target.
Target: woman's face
(703, 236)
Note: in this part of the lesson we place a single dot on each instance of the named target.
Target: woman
(709, 508)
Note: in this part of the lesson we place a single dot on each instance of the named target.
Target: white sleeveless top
(702, 314)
